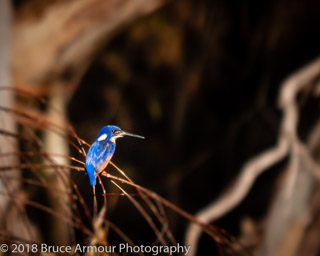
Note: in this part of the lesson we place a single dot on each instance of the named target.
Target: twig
(161, 217)
(219, 235)
(144, 214)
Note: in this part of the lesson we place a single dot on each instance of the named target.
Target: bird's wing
(99, 156)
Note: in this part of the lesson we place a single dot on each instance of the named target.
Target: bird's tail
(90, 170)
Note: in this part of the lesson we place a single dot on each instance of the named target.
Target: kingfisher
(102, 150)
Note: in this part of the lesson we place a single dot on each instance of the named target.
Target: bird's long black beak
(131, 135)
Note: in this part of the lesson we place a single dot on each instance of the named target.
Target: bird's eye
(115, 131)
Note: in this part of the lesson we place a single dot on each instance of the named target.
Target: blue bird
(102, 150)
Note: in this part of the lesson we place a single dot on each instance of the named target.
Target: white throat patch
(102, 137)
(113, 139)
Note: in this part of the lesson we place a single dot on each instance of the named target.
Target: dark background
(200, 80)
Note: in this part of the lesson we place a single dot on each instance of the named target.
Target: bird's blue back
(98, 156)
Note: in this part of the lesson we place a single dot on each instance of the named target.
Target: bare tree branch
(249, 173)
(288, 217)
(62, 42)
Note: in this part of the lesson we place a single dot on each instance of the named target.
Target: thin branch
(219, 235)
(144, 214)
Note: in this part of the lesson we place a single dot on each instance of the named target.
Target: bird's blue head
(112, 132)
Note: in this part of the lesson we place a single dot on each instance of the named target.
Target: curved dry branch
(64, 39)
(250, 172)
(238, 192)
